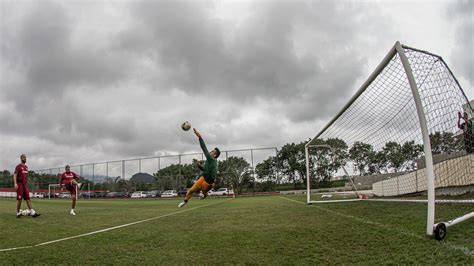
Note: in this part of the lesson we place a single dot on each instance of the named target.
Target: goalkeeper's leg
(205, 187)
(194, 188)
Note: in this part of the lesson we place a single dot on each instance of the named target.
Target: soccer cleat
(72, 212)
(79, 185)
(201, 197)
(180, 205)
(18, 215)
(34, 215)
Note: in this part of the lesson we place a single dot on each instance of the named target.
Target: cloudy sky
(85, 81)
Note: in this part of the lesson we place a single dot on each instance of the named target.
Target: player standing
(20, 181)
(209, 172)
(71, 184)
(467, 127)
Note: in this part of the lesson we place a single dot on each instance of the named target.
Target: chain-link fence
(244, 171)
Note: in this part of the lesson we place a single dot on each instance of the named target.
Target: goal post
(400, 136)
(52, 188)
(426, 138)
(330, 152)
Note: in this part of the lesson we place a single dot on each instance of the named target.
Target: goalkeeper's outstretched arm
(203, 145)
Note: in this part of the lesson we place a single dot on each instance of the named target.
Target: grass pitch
(253, 230)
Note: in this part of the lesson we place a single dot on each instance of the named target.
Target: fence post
(180, 172)
(93, 176)
(158, 173)
(278, 176)
(253, 170)
(123, 169)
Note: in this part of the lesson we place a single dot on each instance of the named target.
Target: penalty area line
(111, 228)
(463, 249)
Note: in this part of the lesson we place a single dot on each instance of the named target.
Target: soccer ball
(186, 126)
(25, 212)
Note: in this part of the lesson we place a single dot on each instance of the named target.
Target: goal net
(53, 191)
(402, 137)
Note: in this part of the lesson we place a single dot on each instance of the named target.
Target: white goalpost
(329, 150)
(401, 136)
(52, 188)
(55, 188)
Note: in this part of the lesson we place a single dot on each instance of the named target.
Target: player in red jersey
(71, 184)
(20, 181)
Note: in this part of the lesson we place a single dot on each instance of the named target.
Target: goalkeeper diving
(207, 177)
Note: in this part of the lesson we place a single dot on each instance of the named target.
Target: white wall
(450, 173)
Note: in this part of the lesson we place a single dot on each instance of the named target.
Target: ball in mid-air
(186, 126)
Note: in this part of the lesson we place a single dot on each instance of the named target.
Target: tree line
(285, 170)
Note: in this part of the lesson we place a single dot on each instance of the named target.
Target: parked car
(153, 194)
(169, 194)
(220, 192)
(112, 194)
(223, 191)
(86, 194)
(123, 194)
(99, 194)
(39, 195)
(209, 193)
(51, 195)
(138, 194)
(182, 192)
(64, 195)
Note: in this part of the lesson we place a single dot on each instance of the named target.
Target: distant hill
(143, 178)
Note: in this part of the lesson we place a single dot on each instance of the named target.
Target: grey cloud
(462, 12)
(295, 62)
(260, 59)
(43, 50)
(70, 126)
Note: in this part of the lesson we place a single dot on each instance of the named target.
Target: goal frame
(308, 180)
(49, 189)
(399, 49)
(59, 185)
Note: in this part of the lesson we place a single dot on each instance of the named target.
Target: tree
(394, 155)
(411, 152)
(378, 161)
(235, 172)
(444, 143)
(292, 162)
(176, 175)
(6, 179)
(327, 161)
(123, 185)
(41, 181)
(402, 157)
(109, 184)
(361, 154)
(268, 169)
(267, 172)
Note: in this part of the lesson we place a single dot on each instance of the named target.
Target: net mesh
(378, 137)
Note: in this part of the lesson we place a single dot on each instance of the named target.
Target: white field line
(110, 228)
(333, 201)
(463, 249)
(424, 201)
